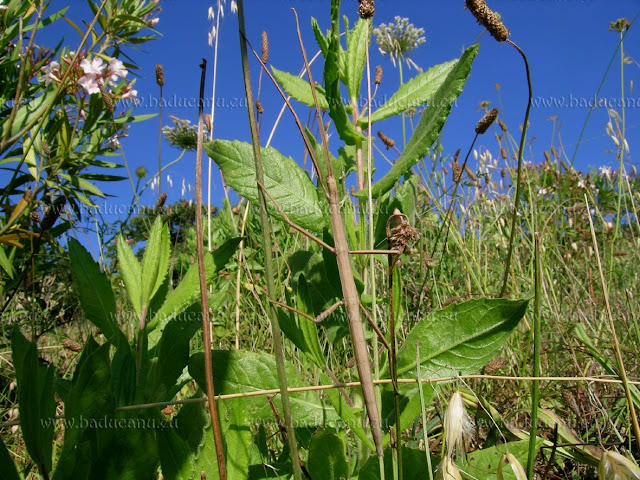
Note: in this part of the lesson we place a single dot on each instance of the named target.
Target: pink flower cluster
(96, 72)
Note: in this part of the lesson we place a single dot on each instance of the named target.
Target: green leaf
(308, 329)
(461, 338)
(337, 111)
(95, 293)
(300, 89)
(286, 182)
(35, 400)
(176, 458)
(7, 467)
(410, 405)
(417, 91)
(483, 464)
(356, 56)
(430, 124)
(155, 262)
(131, 274)
(327, 459)
(237, 439)
(320, 38)
(242, 371)
(5, 263)
(414, 465)
(172, 354)
(188, 290)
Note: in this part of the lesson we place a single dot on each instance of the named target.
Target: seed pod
(52, 213)
(378, 78)
(503, 172)
(265, 47)
(259, 106)
(34, 216)
(488, 19)
(470, 172)
(71, 345)
(503, 153)
(28, 195)
(386, 140)
(503, 125)
(402, 234)
(159, 75)
(445, 170)
(366, 9)
(46, 149)
(486, 121)
(161, 199)
(207, 122)
(106, 98)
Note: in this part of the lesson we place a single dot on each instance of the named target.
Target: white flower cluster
(399, 39)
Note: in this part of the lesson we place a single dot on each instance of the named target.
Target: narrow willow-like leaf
(131, 274)
(300, 89)
(323, 44)
(94, 291)
(417, 91)
(285, 181)
(430, 124)
(344, 127)
(35, 400)
(240, 371)
(308, 329)
(327, 459)
(155, 262)
(461, 338)
(7, 467)
(188, 290)
(356, 56)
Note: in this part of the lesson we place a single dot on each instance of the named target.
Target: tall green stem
(268, 257)
(535, 386)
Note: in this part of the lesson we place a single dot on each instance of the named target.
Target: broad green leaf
(131, 274)
(321, 286)
(176, 458)
(414, 465)
(172, 354)
(356, 56)
(237, 439)
(35, 400)
(243, 371)
(337, 111)
(410, 405)
(299, 89)
(327, 458)
(417, 91)
(430, 124)
(7, 467)
(483, 464)
(155, 262)
(188, 290)
(94, 291)
(286, 182)
(461, 338)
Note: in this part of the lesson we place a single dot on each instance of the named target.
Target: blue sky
(567, 42)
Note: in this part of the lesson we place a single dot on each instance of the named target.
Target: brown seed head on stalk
(52, 213)
(399, 233)
(486, 121)
(503, 125)
(46, 149)
(71, 345)
(259, 107)
(386, 140)
(161, 199)
(28, 195)
(34, 216)
(207, 122)
(378, 78)
(159, 75)
(470, 173)
(457, 171)
(265, 47)
(366, 9)
(106, 98)
(488, 19)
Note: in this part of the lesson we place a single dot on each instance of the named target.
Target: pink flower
(153, 21)
(49, 73)
(89, 83)
(116, 69)
(92, 68)
(129, 92)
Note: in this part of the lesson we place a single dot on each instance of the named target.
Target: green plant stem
(393, 366)
(160, 144)
(423, 410)
(516, 203)
(621, 174)
(204, 299)
(266, 242)
(535, 385)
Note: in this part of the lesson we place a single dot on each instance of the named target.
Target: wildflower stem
(535, 385)
(516, 203)
(268, 260)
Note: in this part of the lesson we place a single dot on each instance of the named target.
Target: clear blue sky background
(568, 44)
